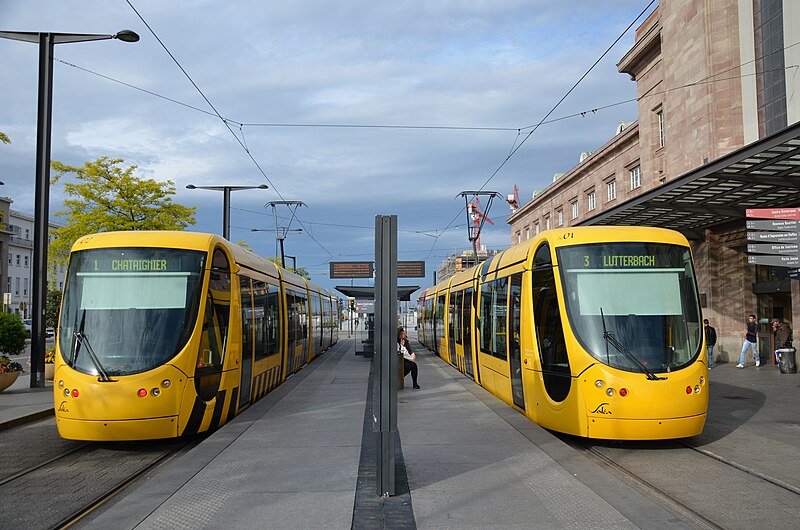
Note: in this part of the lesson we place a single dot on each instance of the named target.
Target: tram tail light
(75, 392)
(688, 390)
(623, 392)
(142, 392)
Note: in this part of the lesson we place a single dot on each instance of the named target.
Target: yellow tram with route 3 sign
(590, 331)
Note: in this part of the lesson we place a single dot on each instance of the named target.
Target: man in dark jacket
(783, 334)
(711, 341)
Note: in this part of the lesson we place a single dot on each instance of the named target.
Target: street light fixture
(41, 214)
(226, 202)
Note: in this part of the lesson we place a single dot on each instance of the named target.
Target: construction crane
(513, 200)
(475, 217)
(474, 212)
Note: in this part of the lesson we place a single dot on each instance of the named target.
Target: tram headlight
(702, 379)
(61, 384)
(599, 383)
(66, 392)
(166, 383)
(697, 389)
(155, 392)
(609, 392)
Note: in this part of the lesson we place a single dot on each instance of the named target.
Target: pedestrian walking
(711, 341)
(750, 341)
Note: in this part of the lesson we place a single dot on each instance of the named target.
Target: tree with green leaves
(106, 196)
(4, 138)
(12, 334)
(52, 305)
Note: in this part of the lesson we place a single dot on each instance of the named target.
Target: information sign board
(773, 213)
(773, 237)
(351, 269)
(774, 261)
(774, 224)
(410, 269)
(783, 249)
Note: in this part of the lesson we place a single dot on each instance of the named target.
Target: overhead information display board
(352, 269)
(410, 269)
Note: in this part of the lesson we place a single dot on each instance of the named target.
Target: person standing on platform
(711, 341)
(783, 335)
(750, 341)
(409, 357)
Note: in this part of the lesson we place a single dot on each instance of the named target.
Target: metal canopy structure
(763, 174)
(366, 292)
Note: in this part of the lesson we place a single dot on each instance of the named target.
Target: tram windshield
(638, 297)
(128, 310)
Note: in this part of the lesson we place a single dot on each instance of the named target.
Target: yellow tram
(590, 331)
(165, 334)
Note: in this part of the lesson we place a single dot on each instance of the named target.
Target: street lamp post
(41, 214)
(226, 202)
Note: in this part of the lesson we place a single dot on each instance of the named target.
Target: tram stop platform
(303, 457)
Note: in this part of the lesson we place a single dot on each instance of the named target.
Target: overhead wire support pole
(282, 231)
(475, 234)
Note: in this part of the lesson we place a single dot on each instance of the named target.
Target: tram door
(247, 342)
(452, 326)
(515, 362)
(466, 321)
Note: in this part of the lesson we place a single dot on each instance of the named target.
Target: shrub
(12, 334)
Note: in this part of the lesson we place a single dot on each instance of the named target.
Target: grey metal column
(385, 372)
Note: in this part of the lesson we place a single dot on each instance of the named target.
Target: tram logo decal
(601, 409)
(63, 407)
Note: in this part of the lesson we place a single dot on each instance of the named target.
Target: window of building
(547, 222)
(26, 261)
(527, 232)
(536, 227)
(27, 234)
(16, 287)
(25, 287)
(768, 23)
(18, 258)
(591, 199)
(660, 118)
(575, 212)
(519, 237)
(611, 188)
(560, 217)
(636, 177)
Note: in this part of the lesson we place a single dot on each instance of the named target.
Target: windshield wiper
(82, 340)
(611, 339)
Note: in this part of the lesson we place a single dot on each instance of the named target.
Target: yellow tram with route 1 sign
(165, 334)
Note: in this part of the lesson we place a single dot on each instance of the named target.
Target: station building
(718, 131)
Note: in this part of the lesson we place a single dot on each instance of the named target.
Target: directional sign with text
(773, 237)
(774, 224)
(773, 213)
(783, 249)
(774, 261)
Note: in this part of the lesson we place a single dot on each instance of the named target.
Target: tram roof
(763, 174)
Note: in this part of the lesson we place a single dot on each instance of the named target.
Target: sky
(435, 96)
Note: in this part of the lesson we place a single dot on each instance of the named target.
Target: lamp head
(127, 35)
(191, 187)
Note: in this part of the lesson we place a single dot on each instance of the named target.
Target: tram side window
(456, 314)
(267, 319)
(247, 317)
(487, 295)
(549, 329)
(215, 328)
(440, 308)
(499, 316)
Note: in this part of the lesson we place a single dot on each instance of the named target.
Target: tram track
(55, 483)
(659, 471)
